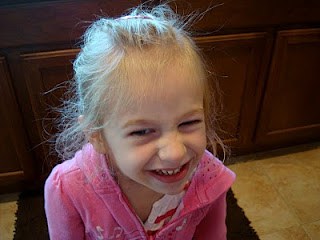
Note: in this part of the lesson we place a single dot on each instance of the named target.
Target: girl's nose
(172, 150)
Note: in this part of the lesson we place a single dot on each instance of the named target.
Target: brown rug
(31, 220)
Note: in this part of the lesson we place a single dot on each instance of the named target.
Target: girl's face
(157, 141)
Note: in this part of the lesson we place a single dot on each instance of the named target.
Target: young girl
(139, 125)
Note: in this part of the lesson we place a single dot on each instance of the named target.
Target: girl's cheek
(199, 137)
(202, 143)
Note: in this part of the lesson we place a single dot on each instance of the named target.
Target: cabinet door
(238, 62)
(16, 164)
(290, 112)
(44, 74)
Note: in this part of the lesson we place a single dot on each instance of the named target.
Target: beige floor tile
(262, 203)
(295, 232)
(313, 230)
(8, 208)
(297, 178)
(7, 226)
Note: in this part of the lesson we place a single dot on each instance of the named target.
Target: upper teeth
(168, 172)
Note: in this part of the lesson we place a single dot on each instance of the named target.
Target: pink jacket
(82, 201)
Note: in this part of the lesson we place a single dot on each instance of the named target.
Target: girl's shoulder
(87, 170)
(84, 166)
(64, 173)
(210, 163)
(212, 175)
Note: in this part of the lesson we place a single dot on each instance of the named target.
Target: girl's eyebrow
(193, 112)
(135, 122)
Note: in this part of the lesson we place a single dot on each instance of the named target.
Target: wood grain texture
(16, 163)
(290, 110)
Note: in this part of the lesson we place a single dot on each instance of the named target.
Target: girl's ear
(95, 138)
(98, 142)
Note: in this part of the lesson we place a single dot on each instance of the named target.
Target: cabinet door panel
(238, 63)
(9, 160)
(16, 164)
(44, 72)
(290, 112)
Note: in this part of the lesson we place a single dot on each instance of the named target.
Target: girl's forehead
(155, 77)
(152, 69)
(160, 81)
(149, 90)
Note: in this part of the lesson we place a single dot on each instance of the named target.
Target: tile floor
(279, 192)
(8, 207)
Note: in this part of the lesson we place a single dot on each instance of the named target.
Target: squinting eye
(190, 123)
(142, 132)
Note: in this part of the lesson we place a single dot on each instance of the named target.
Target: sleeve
(213, 225)
(64, 221)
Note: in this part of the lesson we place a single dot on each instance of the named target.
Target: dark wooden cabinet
(265, 56)
(44, 75)
(290, 112)
(16, 164)
(238, 62)
(37, 46)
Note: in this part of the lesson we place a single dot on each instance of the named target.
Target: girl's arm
(213, 225)
(64, 222)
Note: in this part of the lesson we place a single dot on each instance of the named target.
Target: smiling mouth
(168, 172)
(172, 175)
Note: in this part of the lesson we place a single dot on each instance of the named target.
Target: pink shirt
(82, 201)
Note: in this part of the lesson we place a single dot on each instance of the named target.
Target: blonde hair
(101, 71)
